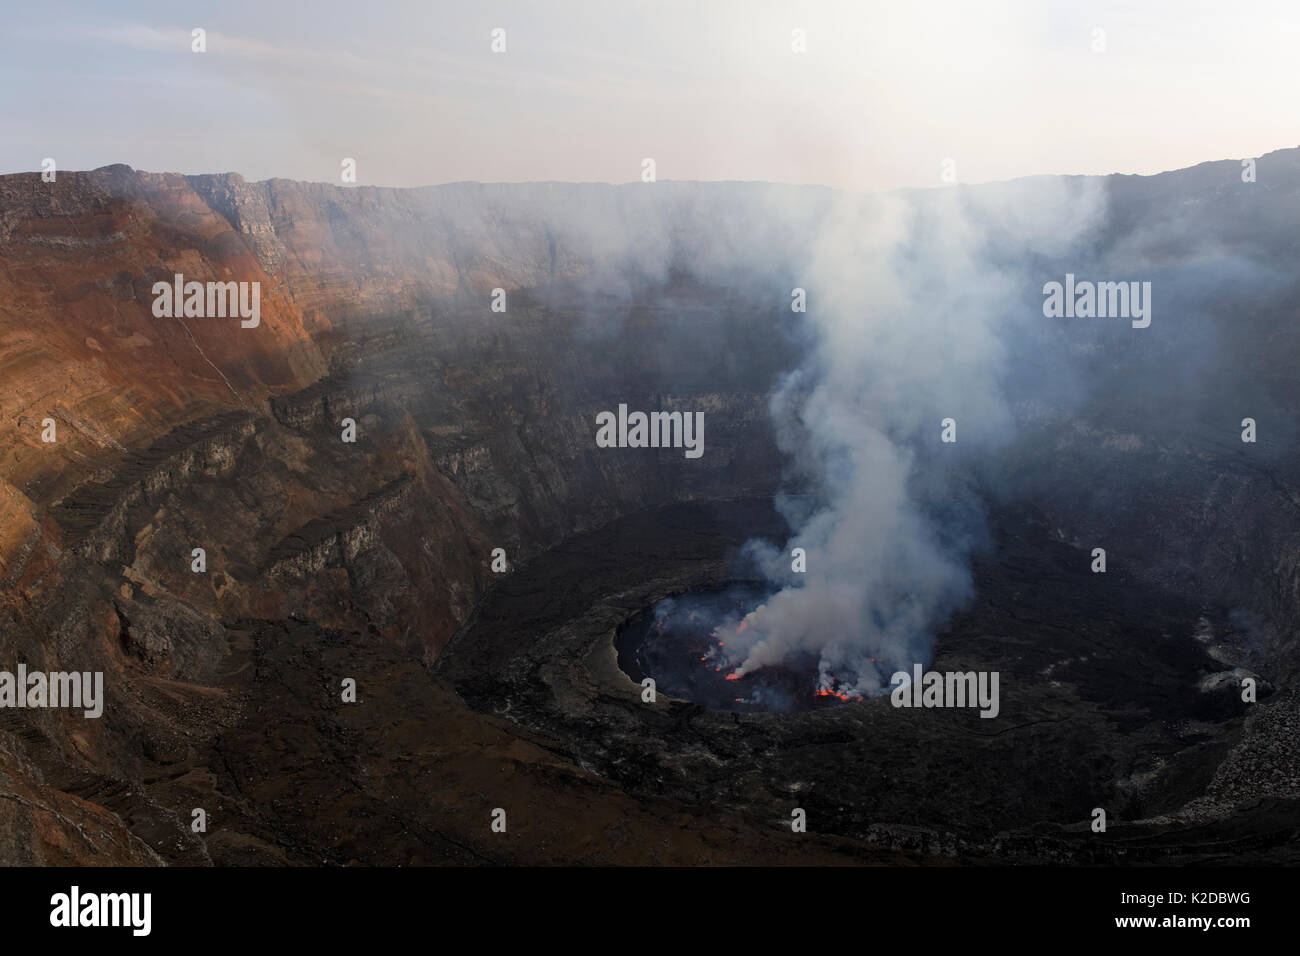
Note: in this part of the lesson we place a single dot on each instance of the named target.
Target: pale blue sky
(709, 88)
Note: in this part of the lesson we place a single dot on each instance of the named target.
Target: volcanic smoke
(915, 311)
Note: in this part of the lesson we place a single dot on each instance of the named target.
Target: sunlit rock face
(476, 431)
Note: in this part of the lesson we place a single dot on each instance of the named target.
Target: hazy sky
(710, 89)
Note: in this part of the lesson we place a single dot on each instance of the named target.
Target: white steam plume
(914, 307)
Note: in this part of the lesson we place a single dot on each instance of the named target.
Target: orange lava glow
(827, 692)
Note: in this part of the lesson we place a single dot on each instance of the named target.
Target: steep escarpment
(381, 294)
(199, 484)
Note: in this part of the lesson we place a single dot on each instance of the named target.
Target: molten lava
(671, 642)
(827, 692)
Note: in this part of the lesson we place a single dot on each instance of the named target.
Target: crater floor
(1110, 698)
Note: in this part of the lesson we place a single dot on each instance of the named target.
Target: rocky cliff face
(474, 431)
(375, 306)
(325, 559)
